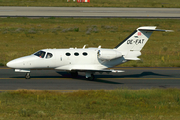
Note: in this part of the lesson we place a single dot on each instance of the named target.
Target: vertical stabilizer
(132, 45)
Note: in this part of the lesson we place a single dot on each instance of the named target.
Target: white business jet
(88, 60)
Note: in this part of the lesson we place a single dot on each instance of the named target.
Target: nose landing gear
(27, 76)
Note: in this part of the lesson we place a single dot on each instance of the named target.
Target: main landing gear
(90, 76)
(27, 76)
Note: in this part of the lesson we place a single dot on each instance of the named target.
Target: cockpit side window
(40, 54)
(49, 55)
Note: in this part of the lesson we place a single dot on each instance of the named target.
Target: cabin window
(49, 55)
(76, 53)
(40, 54)
(85, 53)
(68, 54)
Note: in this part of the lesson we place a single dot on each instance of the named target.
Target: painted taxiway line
(63, 91)
(116, 68)
(51, 90)
(45, 90)
(96, 78)
(144, 78)
(4, 68)
(32, 78)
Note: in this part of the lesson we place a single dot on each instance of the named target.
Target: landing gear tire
(27, 76)
(74, 74)
(92, 78)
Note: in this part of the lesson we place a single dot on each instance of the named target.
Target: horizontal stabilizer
(152, 28)
(132, 58)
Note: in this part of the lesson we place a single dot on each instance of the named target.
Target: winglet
(84, 47)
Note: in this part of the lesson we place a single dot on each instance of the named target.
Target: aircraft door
(67, 58)
(61, 59)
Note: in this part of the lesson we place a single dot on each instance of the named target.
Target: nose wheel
(27, 76)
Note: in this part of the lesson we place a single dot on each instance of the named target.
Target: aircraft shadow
(82, 77)
(100, 78)
(143, 74)
(68, 75)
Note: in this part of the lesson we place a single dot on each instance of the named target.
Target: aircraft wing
(105, 70)
(82, 68)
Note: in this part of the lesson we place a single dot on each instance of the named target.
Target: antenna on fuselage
(84, 47)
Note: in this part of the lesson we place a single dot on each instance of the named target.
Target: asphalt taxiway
(132, 78)
(90, 12)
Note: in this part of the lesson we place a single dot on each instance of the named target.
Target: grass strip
(91, 104)
(94, 3)
(24, 36)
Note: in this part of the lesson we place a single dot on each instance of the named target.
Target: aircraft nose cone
(9, 64)
(12, 64)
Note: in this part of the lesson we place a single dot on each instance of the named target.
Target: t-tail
(132, 45)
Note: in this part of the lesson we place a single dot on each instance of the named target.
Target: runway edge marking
(97, 78)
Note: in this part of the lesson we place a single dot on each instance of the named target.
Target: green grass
(94, 3)
(24, 36)
(120, 104)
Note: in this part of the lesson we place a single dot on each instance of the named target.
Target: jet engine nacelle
(108, 54)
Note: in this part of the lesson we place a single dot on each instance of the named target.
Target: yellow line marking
(143, 78)
(35, 78)
(5, 68)
(97, 78)
(50, 90)
(12, 78)
(45, 90)
(146, 68)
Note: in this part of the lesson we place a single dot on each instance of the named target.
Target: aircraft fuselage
(62, 58)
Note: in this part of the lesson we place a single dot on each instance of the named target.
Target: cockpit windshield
(40, 54)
